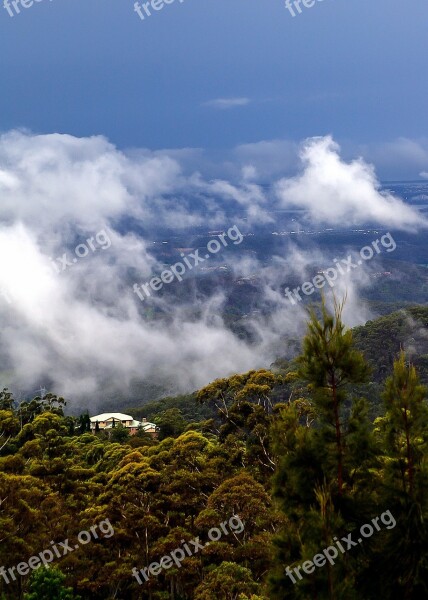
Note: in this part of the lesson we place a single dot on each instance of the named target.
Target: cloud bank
(83, 329)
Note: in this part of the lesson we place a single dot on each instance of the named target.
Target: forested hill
(381, 341)
(262, 472)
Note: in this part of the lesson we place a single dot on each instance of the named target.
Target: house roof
(107, 416)
(147, 425)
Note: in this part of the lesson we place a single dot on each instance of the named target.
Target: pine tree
(399, 563)
(405, 425)
(322, 482)
(329, 363)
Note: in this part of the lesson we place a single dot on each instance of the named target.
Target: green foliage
(84, 423)
(381, 341)
(191, 411)
(226, 582)
(119, 433)
(329, 359)
(171, 423)
(330, 364)
(245, 409)
(7, 401)
(403, 437)
(48, 584)
(323, 480)
(404, 427)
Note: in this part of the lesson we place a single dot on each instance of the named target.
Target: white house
(110, 420)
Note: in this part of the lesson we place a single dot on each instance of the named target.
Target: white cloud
(336, 192)
(77, 180)
(226, 103)
(82, 327)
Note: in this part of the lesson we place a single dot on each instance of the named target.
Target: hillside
(382, 339)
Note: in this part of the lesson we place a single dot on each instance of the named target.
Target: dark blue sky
(354, 68)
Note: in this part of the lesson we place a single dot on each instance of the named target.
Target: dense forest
(306, 481)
